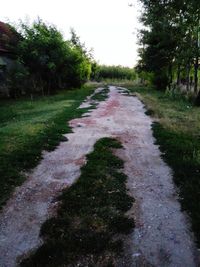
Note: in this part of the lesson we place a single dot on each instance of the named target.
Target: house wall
(9, 63)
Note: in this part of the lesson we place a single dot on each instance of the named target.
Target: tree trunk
(178, 75)
(188, 77)
(196, 67)
(196, 63)
(170, 80)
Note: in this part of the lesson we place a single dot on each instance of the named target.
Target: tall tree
(52, 62)
(170, 41)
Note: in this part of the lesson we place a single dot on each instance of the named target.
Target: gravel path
(161, 236)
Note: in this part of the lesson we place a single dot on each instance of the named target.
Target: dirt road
(161, 237)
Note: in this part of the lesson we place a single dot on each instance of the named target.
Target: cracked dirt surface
(161, 236)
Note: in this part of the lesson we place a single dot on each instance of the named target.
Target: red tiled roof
(3, 50)
(7, 36)
(5, 29)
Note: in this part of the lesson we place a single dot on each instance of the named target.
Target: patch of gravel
(161, 237)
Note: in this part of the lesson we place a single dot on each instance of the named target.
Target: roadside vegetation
(91, 212)
(170, 47)
(177, 134)
(44, 62)
(111, 73)
(44, 89)
(91, 215)
(29, 126)
(169, 62)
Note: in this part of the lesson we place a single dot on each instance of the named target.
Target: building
(8, 40)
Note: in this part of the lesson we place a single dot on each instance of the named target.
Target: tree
(170, 42)
(83, 61)
(158, 41)
(52, 62)
(43, 51)
(116, 72)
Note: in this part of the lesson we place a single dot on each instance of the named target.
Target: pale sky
(107, 26)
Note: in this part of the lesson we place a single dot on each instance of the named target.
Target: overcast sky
(107, 26)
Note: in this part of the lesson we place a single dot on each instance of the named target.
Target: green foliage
(95, 71)
(91, 213)
(146, 78)
(103, 72)
(17, 80)
(52, 62)
(170, 41)
(81, 67)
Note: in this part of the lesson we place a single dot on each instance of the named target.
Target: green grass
(178, 134)
(91, 215)
(28, 127)
(101, 96)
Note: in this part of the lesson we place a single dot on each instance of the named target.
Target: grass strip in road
(178, 135)
(91, 215)
(28, 127)
(101, 96)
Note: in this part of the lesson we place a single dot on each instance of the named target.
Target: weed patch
(90, 217)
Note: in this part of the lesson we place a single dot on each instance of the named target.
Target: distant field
(27, 127)
(178, 134)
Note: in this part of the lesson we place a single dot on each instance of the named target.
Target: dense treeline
(46, 62)
(102, 72)
(170, 42)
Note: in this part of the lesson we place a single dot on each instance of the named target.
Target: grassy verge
(28, 127)
(101, 96)
(178, 134)
(90, 216)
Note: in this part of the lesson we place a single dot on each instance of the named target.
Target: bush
(114, 72)
(52, 62)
